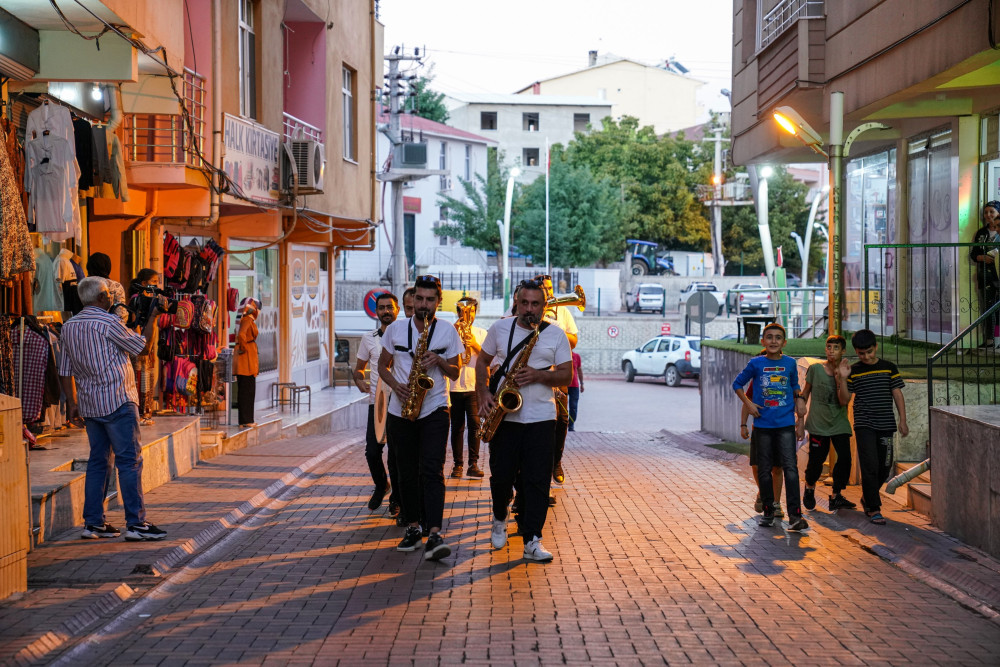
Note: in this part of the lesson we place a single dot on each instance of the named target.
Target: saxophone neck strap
(513, 353)
(409, 338)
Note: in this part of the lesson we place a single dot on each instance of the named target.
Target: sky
(479, 46)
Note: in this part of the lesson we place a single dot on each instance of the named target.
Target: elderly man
(96, 349)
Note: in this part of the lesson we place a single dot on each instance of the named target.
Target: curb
(183, 553)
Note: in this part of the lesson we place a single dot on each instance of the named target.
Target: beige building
(653, 94)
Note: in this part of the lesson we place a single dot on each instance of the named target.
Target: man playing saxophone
(464, 407)
(418, 429)
(523, 440)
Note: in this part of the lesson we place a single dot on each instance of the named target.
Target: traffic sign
(665, 328)
(613, 331)
(369, 301)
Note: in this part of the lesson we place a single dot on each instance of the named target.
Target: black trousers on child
(373, 454)
(819, 449)
(464, 419)
(875, 462)
(776, 447)
(525, 451)
(421, 447)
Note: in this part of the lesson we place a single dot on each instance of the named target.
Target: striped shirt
(96, 349)
(872, 384)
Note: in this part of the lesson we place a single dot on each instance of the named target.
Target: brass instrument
(466, 315)
(508, 399)
(419, 383)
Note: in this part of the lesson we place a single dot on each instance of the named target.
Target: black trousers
(819, 449)
(776, 447)
(523, 450)
(420, 452)
(574, 402)
(464, 419)
(987, 297)
(246, 392)
(373, 454)
(875, 462)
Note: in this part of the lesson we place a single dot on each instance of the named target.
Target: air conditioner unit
(310, 162)
(445, 183)
(410, 156)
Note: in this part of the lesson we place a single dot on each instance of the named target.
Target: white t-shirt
(551, 349)
(563, 319)
(369, 350)
(467, 374)
(400, 339)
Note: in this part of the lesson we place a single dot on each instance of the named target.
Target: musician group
(504, 386)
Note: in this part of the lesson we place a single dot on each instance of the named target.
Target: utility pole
(400, 276)
(716, 203)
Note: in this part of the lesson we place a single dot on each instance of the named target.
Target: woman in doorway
(984, 257)
(245, 363)
(146, 365)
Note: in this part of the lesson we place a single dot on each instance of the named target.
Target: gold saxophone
(508, 398)
(466, 314)
(419, 383)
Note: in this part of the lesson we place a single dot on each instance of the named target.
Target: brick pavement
(658, 559)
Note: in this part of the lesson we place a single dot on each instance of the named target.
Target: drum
(382, 393)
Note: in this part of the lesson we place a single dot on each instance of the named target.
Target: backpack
(184, 317)
(196, 276)
(171, 254)
(204, 315)
(179, 278)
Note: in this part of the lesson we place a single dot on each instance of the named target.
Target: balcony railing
(782, 16)
(167, 138)
(736, 192)
(296, 128)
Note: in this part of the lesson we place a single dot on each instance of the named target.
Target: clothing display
(16, 254)
(51, 177)
(45, 284)
(84, 140)
(62, 272)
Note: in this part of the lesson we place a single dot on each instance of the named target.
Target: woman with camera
(146, 365)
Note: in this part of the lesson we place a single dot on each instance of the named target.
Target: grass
(733, 447)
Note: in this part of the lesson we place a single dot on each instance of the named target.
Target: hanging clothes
(16, 295)
(53, 118)
(63, 272)
(31, 372)
(8, 381)
(102, 161)
(51, 177)
(15, 153)
(16, 255)
(84, 139)
(45, 284)
(118, 180)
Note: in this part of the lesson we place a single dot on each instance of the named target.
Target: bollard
(598, 301)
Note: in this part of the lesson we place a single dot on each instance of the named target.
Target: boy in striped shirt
(877, 385)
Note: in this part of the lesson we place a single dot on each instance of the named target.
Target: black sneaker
(474, 471)
(99, 532)
(552, 500)
(410, 541)
(378, 495)
(425, 532)
(144, 531)
(809, 499)
(457, 470)
(558, 475)
(436, 549)
(839, 502)
(393, 509)
(766, 521)
(401, 521)
(798, 525)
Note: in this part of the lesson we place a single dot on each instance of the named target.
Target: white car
(696, 286)
(673, 357)
(647, 296)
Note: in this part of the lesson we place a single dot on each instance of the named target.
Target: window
(443, 165)
(350, 140)
(488, 120)
(650, 346)
(530, 157)
(580, 122)
(248, 61)
(664, 345)
(468, 162)
(676, 346)
(529, 122)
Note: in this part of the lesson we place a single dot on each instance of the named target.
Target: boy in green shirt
(827, 422)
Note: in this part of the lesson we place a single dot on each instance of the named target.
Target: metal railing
(166, 138)
(782, 16)
(725, 192)
(801, 310)
(490, 285)
(296, 128)
(918, 296)
(966, 373)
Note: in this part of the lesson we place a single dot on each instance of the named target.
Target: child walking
(877, 385)
(777, 422)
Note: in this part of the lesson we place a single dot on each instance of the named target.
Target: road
(612, 405)
(658, 559)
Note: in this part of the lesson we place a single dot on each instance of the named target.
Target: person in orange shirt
(245, 363)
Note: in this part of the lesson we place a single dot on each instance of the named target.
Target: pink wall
(305, 98)
(198, 55)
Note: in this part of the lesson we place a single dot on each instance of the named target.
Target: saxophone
(508, 398)
(419, 383)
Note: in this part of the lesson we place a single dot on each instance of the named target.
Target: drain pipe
(907, 475)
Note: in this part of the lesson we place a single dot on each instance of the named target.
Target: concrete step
(919, 495)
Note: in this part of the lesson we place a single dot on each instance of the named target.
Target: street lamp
(505, 236)
(790, 121)
(763, 228)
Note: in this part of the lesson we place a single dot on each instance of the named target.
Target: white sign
(613, 331)
(665, 328)
(252, 155)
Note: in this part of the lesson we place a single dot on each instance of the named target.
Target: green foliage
(655, 178)
(583, 216)
(427, 103)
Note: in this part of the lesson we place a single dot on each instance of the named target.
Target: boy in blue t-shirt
(777, 419)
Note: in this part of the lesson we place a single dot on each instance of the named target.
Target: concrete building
(929, 70)
(463, 155)
(654, 94)
(521, 124)
(211, 94)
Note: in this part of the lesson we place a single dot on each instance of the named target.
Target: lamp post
(505, 236)
(762, 223)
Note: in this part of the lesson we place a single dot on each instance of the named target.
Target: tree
(426, 103)
(473, 218)
(787, 211)
(583, 216)
(655, 177)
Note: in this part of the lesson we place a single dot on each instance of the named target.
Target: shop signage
(252, 159)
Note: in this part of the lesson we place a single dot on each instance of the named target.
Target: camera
(140, 306)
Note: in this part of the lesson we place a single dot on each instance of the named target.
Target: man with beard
(523, 442)
(421, 443)
(369, 350)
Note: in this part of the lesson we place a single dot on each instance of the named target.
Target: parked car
(673, 357)
(701, 287)
(749, 302)
(647, 296)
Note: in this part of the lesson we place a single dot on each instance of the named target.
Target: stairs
(918, 490)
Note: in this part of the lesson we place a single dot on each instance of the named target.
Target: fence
(169, 138)
(490, 285)
(801, 310)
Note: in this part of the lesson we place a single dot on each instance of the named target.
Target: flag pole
(548, 166)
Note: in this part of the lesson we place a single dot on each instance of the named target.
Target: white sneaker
(534, 550)
(498, 536)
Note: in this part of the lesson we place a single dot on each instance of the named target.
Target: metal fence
(167, 138)
(801, 310)
(296, 128)
(962, 374)
(490, 285)
(782, 16)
